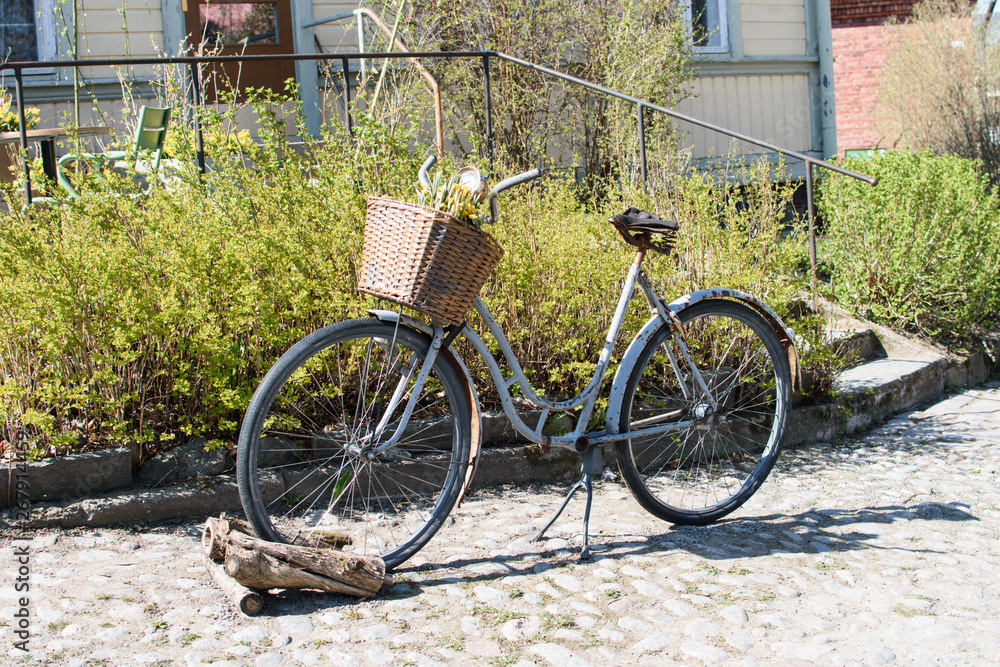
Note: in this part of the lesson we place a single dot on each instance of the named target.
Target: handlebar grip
(509, 183)
(422, 174)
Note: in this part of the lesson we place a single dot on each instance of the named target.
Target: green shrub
(921, 250)
(156, 320)
(148, 322)
(555, 291)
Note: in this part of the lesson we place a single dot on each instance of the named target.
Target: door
(242, 27)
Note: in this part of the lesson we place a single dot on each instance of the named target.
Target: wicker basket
(425, 259)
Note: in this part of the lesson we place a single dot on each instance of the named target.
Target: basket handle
(523, 177)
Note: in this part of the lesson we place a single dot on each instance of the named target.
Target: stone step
(856, 346)
(872, 392)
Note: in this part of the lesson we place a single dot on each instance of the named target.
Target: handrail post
(489, 111)
(361, 49)
(811, 207)
(642, 143)
(199, 137)
(23, 128)
(345, 64)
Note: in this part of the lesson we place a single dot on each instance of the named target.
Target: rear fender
(785, 335)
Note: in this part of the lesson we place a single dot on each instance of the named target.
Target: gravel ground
(881, 549)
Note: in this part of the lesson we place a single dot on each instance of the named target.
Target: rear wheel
(307, 467)
(716, 457)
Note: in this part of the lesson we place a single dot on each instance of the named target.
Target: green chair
(149, 137)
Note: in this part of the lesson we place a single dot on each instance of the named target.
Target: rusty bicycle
(366, 433)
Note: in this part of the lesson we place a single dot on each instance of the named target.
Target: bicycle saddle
(637, 227)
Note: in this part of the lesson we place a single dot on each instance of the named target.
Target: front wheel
(717, 456)
(308, 466)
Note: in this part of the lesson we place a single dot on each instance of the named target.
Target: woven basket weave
(425, 259)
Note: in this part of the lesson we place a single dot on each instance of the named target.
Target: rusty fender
(785, 335)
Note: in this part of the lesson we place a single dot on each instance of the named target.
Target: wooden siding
(773, 27)
(101, 30)
(775, 109)
(340, 35)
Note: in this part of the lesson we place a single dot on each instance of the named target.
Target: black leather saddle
(637, 228)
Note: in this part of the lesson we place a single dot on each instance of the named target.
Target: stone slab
(880, 389)
(73, 476)
(219, 494)
(812, 423)
(185, 462)
(526, 464)
(859, 345)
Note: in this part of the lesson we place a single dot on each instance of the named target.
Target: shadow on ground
(811, 532)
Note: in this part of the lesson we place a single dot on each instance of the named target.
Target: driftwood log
(248, 601)
(250, 563)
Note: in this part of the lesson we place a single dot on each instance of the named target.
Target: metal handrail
(361, 12)
(641, 105)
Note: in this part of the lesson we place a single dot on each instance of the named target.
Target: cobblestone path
(882, 549)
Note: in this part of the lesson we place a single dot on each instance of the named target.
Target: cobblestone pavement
(880, 549)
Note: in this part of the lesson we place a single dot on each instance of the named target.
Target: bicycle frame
(579, 440)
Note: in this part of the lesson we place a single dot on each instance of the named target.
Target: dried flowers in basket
(460, 196)
(433, 255)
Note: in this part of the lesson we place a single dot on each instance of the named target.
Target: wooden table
(46, 140)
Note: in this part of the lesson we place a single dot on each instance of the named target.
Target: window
(709, 26)
(18, 36)
(239, 23)
(28, 31)
(242, 27)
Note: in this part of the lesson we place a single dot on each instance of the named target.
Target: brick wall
(860, 41)
(855, 13)
(860, 44)
(858, 54)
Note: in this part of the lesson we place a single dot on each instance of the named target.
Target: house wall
(765, 87)
(340, 34)
(774, 109)
(116, 28)
(773, 27)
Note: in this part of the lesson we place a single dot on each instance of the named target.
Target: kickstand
(592, 461)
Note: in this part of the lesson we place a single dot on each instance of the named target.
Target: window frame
(47, 40)
(723, 32)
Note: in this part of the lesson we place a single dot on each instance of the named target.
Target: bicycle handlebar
(422, 174)
(523, 177)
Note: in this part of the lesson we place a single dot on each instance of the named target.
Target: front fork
(400, 392)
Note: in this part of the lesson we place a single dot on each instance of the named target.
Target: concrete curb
(207, 496)
(868, 394)
(875, 391)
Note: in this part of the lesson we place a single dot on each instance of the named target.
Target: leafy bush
(536, 115)
(147, 321)
(9, 119)
(921, 250)
(937, 87)
(128, 321)
(555, 292)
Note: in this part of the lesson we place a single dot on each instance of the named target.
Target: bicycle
(365, 434)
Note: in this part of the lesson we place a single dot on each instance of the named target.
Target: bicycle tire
(701, 472)
(308, 421)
